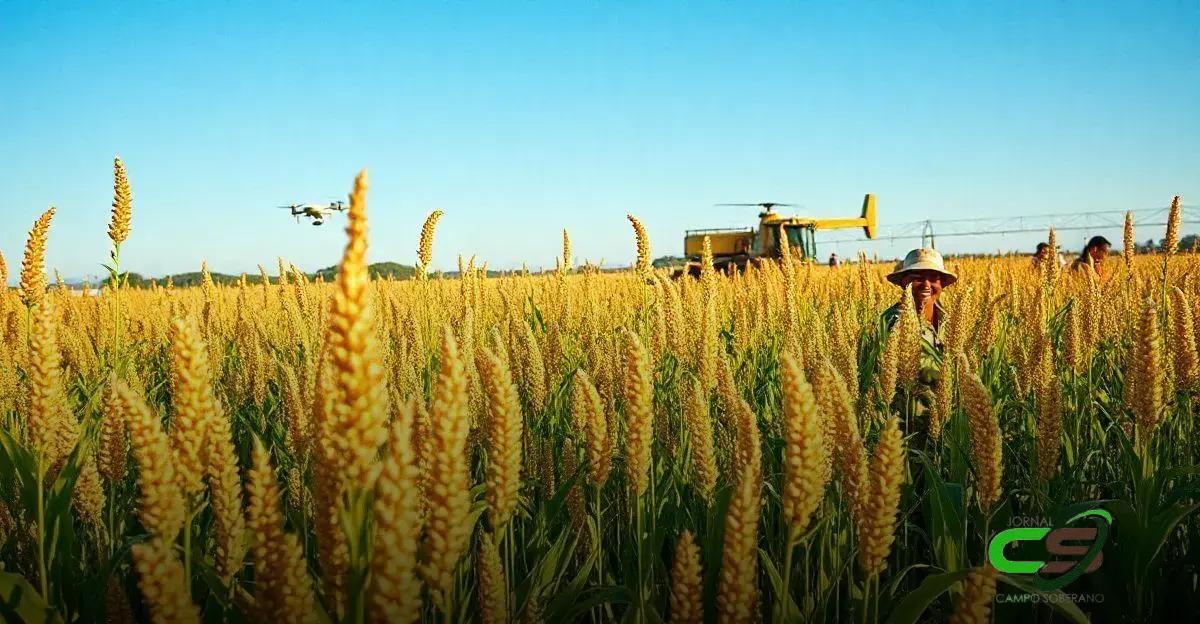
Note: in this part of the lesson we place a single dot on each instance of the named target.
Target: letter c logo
(1008, 536)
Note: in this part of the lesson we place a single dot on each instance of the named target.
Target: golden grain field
(592, 446)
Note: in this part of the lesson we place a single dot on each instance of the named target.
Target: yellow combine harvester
(737, 247)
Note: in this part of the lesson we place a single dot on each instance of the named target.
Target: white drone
(317, 212)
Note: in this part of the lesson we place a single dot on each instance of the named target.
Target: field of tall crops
(586, 446)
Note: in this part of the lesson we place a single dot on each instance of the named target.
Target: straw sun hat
(922, 259)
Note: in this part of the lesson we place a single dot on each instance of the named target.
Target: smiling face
(926, 286)
(1098, 253)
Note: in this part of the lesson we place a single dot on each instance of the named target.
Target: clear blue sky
(522, 118)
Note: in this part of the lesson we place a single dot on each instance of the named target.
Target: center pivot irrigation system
(930, 230)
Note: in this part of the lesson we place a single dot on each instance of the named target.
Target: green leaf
(18, 471)
(946, 520)
(569, 596)
(60, 522)
(896, 580)
(218, 591)
(547, 568)
(910, 609)
(597, 597)
(782, 596)
(1160, 528)
(19, 602)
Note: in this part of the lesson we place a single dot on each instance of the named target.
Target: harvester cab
(735, 248)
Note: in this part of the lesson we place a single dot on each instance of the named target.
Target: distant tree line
(392, 270)
(667, 262)
(193, 278)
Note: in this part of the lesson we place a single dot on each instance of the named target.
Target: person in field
(926, 272)
(1093, 255)
(1044, 253)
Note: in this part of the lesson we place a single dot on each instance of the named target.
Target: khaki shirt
(931, 334)
(932, 340)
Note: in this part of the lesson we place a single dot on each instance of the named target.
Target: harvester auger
(733, 249)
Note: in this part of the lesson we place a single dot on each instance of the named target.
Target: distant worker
(834, 261)
(1043, 253)
(1093, 254)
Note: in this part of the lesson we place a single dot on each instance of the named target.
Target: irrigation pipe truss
(1098, 220)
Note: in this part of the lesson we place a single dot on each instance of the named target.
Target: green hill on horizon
(192, 278)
